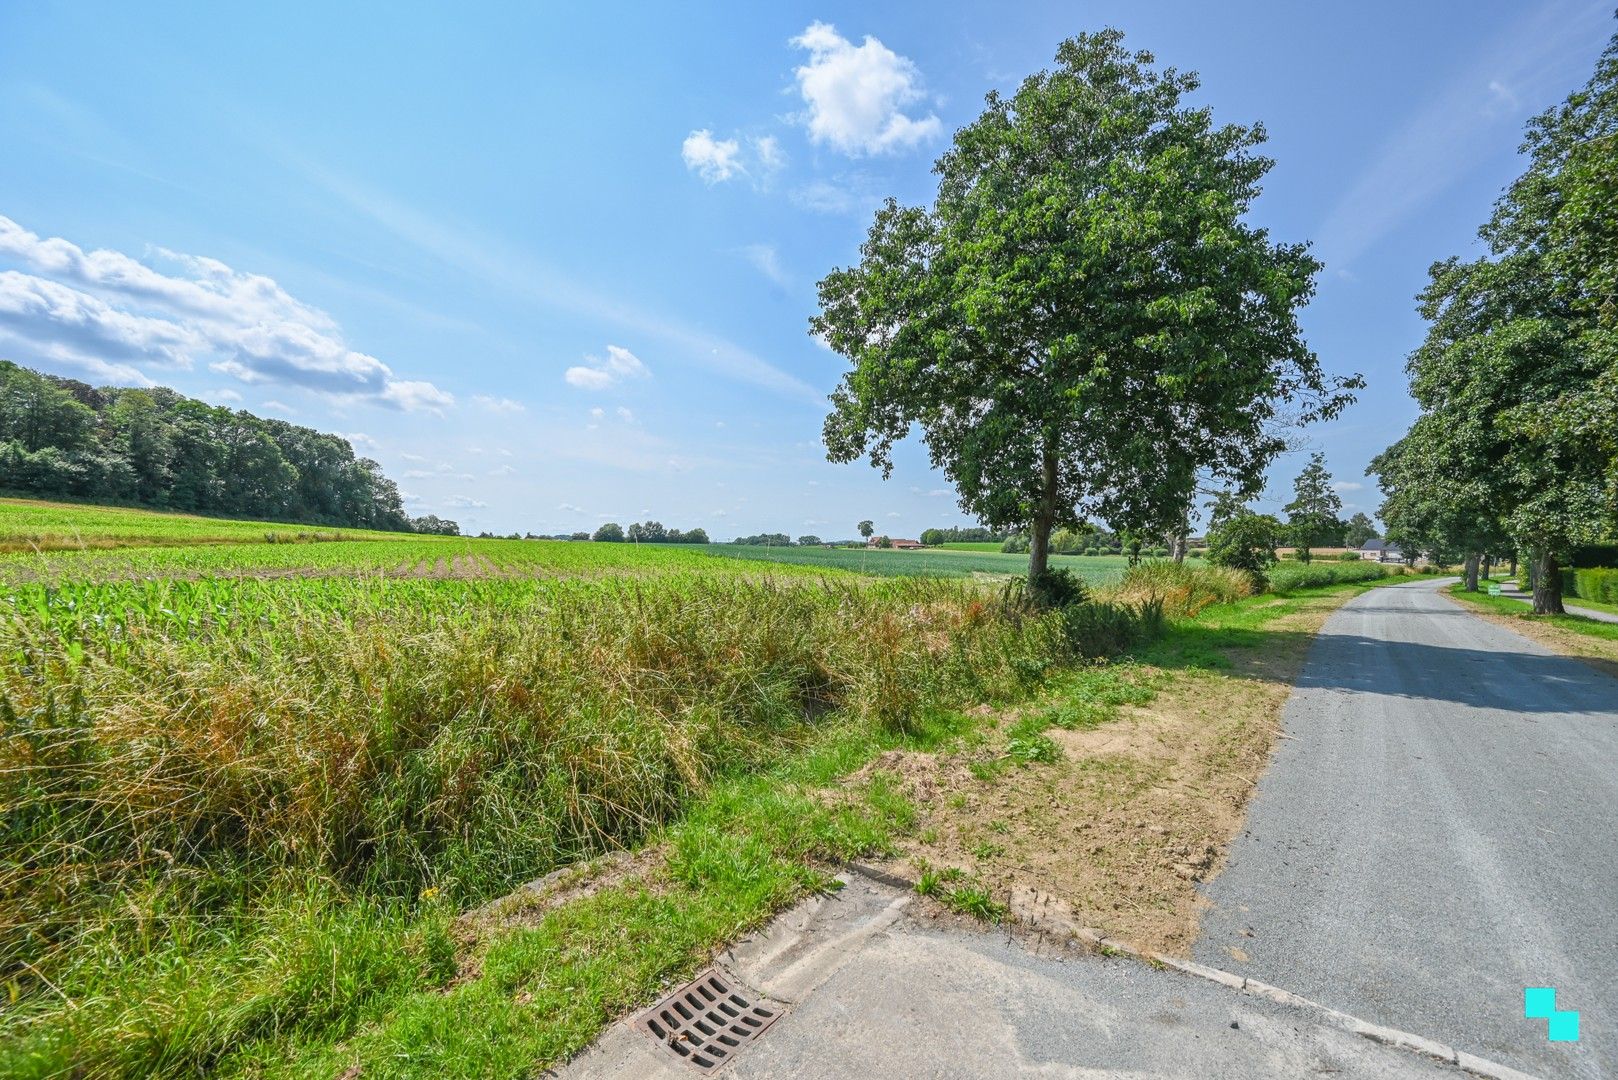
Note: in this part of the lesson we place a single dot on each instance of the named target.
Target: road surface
(1438, 832)
(870, 987)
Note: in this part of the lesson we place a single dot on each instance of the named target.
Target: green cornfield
(215, 756)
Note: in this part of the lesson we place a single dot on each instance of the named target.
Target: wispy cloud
(767, 261)
(1453, 131)
(494, 262)
(109, 314)
(715, 160)
(499, 404)
(603, 372)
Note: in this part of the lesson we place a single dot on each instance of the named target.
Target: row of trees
(1241, 537)
(1516, 445)
(642, 532)
(1084, 324)
(155, 447)
(970, 534)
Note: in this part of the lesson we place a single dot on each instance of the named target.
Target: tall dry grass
(1182, 589)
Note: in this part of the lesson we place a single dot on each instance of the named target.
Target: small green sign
(1494, 590)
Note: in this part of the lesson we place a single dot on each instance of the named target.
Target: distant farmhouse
(900, 545)
(1381, 551)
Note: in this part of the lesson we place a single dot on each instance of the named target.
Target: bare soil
(1137, 811)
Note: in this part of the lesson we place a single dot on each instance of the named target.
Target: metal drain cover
(706, 1021)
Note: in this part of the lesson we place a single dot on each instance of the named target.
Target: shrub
(1313, 575)
(1349, 556)
(1593, 583)
(1247, 542)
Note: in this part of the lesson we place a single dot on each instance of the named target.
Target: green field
(33, 525)
(954, 561)
(250, 785)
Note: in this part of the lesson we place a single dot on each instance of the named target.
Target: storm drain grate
(706, 1021)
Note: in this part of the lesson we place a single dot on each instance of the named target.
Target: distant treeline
(156, 447)
(641, 532)
(974, 534)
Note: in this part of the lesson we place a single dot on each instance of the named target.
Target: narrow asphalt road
(1438, 831)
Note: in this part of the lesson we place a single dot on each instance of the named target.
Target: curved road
(1438, 831)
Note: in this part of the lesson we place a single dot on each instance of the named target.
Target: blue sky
(553, 267)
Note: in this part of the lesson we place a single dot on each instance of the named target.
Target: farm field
(221, 761)
(35, 525)
(931, 562)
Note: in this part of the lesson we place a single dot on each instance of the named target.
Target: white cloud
(465, 502)
(768, 150)
(276, 406)
(358, 438)
(499, 404)
(766, 260)
(599, 373)
(106, 312)
(1348, 485)
(503, 470)
(715, 160)
(570, 508)
(625, 415)
(598, 412)
(856, 94)
(232, 395)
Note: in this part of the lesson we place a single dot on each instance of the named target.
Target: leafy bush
(1349, 556)
(1247, 541)
(1104, 629)
(1593, 583)
(1290, 576)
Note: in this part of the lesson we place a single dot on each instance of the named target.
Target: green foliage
(973, 534)
(1245, 541)
(1089, 239)
(1312, 513)
(1357, 530)
(60, 438)
(1517, 378)
(1290, 577)
(1181, 590)
(608, 533)
(1593, 583)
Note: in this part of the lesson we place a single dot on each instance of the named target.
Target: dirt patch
(1136, 811)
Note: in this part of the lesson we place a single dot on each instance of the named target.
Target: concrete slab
(873, 987)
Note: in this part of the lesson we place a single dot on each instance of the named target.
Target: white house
(1374, 550)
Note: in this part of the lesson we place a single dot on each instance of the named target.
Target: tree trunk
(1179, 540)
(1039, 537)
(1488, 566)
(1513, 573)
(1547, 584)
(1472, 573)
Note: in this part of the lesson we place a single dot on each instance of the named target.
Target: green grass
(949, 561)
(248, 788)
(34, 525)
(1505, 605)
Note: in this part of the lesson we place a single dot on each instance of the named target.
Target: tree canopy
(1312, 513)
(1084, 320)
(1517, 377)
(155, 447)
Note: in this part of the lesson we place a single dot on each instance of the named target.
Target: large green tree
(1518, 376)
(1084, 321)
(1312, 513)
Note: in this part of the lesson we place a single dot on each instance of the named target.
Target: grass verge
(1570, 634)
(1119, 789)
